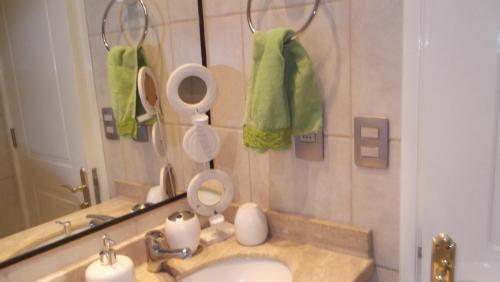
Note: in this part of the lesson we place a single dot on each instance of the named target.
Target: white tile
(327, 42)
(375, 205)
(234, 160)
(182, 10)
(385, 275)
(314, 189)
(376, 60)
(224, 49)
(213, 8)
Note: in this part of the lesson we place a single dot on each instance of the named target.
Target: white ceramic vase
(182, 230)
(250, 225)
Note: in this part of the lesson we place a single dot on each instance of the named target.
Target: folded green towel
(284, 98)
(123, 66)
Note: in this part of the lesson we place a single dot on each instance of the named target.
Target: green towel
(284, 98)
(123, 66)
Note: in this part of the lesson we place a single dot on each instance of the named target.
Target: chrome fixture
(66, 225)
(98, 219)
(157, 253)
(105, 20)
(298, 32)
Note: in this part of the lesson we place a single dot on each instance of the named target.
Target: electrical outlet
(310, 147)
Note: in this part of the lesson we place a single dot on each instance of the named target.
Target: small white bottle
(110, 267)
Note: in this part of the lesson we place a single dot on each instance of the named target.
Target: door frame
(93, 143)
(413, 52)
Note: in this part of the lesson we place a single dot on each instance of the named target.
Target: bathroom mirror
(61, 159)
(191, 89)
(210, 192)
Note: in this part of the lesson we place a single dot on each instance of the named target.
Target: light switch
(369, 152)
(371, 142)
(309, 147)
(368, 132)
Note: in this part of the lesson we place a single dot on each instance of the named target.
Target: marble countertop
(306, 262)
(18, 243)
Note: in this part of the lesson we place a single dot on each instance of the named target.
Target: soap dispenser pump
(110, 267)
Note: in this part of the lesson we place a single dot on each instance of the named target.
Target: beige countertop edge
(303, 260)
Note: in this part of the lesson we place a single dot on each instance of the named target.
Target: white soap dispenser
(110, 267)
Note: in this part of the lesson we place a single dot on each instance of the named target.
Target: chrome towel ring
(105, 19)
(299, 31)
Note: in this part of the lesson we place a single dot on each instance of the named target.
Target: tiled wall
(173, 40)
(356, 47)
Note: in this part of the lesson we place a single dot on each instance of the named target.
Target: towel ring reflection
(299, 31)
(105, 20)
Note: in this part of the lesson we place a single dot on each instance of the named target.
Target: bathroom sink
(245, 269)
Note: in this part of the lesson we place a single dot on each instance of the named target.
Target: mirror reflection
(66, 165)
(210, 192)
(192, 90)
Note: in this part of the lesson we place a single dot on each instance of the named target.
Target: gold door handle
(83, 187)
(443, 259)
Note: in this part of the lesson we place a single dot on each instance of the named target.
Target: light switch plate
(109, 124)
(371, 142)
(309, 147)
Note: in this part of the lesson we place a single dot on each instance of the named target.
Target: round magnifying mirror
(210, 192)
(148, 89)
(191, 89)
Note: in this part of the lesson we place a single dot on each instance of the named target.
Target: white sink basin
(243, 269)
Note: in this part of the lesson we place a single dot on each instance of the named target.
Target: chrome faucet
(98, 219)
(66, 225)
(157, 254)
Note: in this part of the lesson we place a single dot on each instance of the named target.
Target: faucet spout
(157, 253)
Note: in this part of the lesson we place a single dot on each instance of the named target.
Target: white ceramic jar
(182, 230)
(250, 225)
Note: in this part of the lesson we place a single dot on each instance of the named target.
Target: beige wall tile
(258, 5)
(2, 278)
(375, 205)
(187, 11)
(125, 15)
(233, 159)
(185, 43)
(224, 52)
(315, 189)
(385, 275)
(377, 60)
(214, 8)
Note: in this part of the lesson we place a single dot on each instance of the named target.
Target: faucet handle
(66, 225)
(108, 254)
